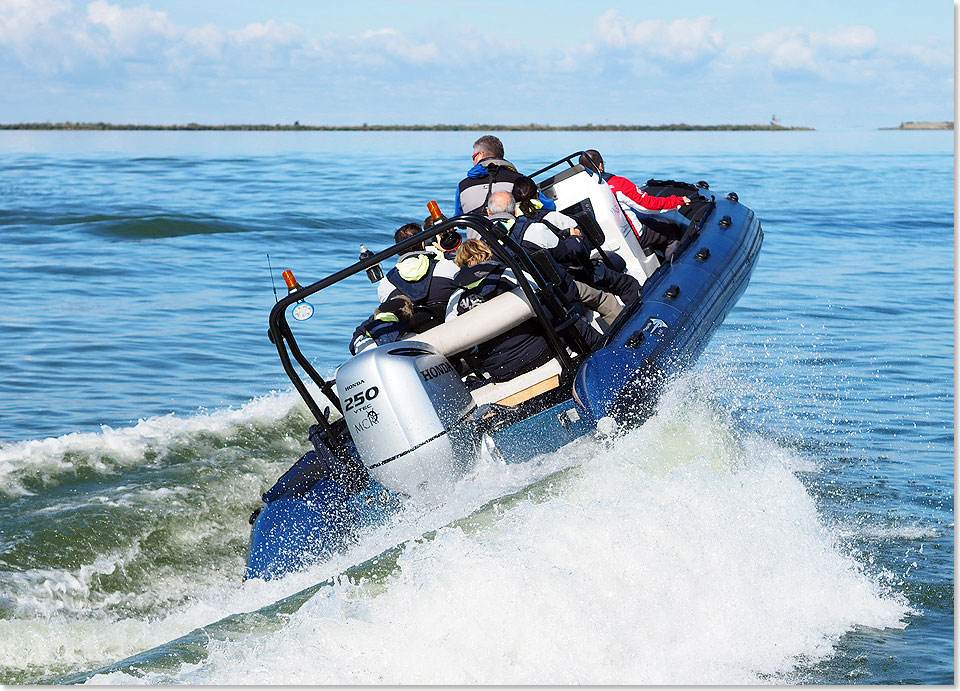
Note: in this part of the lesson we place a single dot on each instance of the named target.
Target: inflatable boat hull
(309, 514)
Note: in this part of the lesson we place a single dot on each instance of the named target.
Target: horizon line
(296, 126)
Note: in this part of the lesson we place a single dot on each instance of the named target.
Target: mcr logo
(372, 418)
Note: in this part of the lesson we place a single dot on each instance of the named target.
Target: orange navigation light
(434, 210)
(291, 281)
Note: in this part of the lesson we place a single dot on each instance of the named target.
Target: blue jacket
(476, 174)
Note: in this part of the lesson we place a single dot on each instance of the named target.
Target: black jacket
(513, 352)
(427, 281)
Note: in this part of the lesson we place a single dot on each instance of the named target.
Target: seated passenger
(501, 209)
(587, 272)
(636, 204)
(481, 278)
(422, 276)
(536, 237)
(390, 322)
(490, 174)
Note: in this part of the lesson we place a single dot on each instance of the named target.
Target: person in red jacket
(635, 201)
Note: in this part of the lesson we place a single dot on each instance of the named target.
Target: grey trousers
(605, 304)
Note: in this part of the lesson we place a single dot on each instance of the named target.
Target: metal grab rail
(516, 259)
(569, 161)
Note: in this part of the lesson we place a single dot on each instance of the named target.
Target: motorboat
(398, 421)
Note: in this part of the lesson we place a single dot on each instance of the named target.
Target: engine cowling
(409, 414)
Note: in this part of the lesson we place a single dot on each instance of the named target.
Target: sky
(817, 63)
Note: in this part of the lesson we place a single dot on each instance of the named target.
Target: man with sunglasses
(491, 173)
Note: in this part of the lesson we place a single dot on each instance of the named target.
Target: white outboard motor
(410, 416)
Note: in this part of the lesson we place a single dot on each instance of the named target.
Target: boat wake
(34, 465)
(685, 551)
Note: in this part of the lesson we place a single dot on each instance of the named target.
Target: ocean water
(785, 517)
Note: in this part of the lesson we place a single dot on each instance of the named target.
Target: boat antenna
(270, 266)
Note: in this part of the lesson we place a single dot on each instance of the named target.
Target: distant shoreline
(923, 125)
(297, 127)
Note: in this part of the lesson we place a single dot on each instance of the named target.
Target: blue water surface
(135, 284)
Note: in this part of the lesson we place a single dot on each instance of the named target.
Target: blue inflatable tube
(682, 305)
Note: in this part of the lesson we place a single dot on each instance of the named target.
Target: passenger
(482, 277)
(390, 322)
(636, 204)
(526, 193)
(491, 173)
(596, 282)
(422, 276)
(501, 208)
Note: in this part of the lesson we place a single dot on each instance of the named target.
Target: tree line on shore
(923, 125)
(390, 128)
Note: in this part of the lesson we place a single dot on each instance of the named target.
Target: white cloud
(45, 37)
(931, 54)
(680, 41)
(846, 41)
(270, 33)
(207, 41)
(21, 19)
(785, 49)
(798, 49)
(393, 43)
(134, 30)
(115, 46)
(374, 33)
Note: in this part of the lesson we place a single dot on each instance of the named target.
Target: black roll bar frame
(516, 259)
(569, 161)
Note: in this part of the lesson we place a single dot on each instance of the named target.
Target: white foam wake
(685, 553)
(110, 450)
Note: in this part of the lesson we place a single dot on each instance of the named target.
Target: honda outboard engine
(410, 416)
